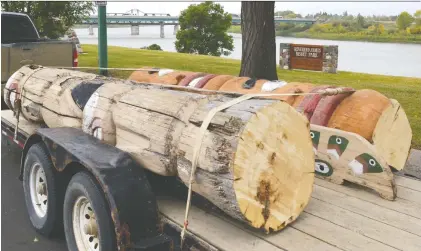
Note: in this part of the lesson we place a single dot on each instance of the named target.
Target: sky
(303, 8)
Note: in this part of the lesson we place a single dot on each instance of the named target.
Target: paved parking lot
(17, 233)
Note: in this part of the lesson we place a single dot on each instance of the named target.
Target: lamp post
(102, 37)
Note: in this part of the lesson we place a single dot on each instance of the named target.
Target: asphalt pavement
(17, 233)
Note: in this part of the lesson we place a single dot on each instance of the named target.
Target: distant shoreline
(343, 37)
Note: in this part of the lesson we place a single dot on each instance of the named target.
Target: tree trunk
(256, 159)
(258, 58)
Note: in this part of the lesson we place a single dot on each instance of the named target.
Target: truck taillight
(75, 57)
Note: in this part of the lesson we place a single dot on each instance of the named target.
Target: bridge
(136, 17)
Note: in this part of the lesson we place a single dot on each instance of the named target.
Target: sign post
(102, 36)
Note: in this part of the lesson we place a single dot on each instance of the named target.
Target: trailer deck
(338, 217)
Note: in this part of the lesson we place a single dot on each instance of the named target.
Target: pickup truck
(22, 45)
(136, 210)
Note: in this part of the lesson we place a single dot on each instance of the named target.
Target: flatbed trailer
(338, 217)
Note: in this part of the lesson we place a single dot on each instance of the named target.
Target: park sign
(306, 57)
(309, 57)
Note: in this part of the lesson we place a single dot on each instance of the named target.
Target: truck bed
(338, 217)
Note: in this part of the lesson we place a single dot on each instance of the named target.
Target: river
(366, 57)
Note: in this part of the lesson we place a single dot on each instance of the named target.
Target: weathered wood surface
(392, 135)
(256, 161)
(249, 154)
(347, 156)
(364, 113)
(320, 229)
(337, 218)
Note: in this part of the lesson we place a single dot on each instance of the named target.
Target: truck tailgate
(338, 217)
(47, 53)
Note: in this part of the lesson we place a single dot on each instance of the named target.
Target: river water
(377, 58)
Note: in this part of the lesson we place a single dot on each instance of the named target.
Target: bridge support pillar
(162, 35)
(135, 29)
(176, 27)
(91, 30)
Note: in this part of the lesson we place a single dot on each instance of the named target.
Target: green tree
(404, 20)
(360, 21)
(417, 17)
(52, 19)
(284, 13)
(203, 30)
(291, 15)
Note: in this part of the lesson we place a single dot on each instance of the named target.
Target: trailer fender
(133, 206)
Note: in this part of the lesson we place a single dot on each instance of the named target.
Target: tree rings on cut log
(392, 135)
(274, 167)
(216, 82)
(359, 113)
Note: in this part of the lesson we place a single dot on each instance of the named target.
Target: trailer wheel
(87, 218)
(40, 189)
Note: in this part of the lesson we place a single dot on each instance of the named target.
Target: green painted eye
(323, 168)
(339, 141)
(315, 137)
(369, 163)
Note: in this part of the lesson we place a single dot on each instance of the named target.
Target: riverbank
(413, 39)
(407, 39)
(406, 90)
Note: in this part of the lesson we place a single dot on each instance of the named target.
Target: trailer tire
(41, 192)
(85, 200)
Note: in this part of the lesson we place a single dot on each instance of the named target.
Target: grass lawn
(406, 90)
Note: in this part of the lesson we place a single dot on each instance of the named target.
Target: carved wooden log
(97, 114)
(162, 76)
(256, 161)
(234, 85)
(35, 82)
(325, 109)
(309, 103)
(203, 81)
(391, 126)
(359, 113)
(253, 163)
(393, 134)
(216, 82)
(186, 81)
